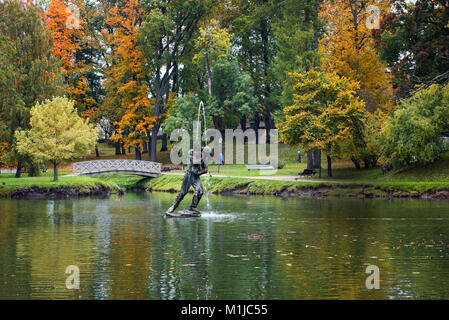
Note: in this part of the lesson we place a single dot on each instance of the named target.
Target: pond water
(310, 248)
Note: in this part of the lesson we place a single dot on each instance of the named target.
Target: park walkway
(261, 177)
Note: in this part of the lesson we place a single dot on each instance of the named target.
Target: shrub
(413, 134)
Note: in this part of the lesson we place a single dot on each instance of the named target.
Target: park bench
(259, 167)
(10, 170)
(307, 172)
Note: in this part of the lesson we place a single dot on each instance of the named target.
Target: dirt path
(276, 178)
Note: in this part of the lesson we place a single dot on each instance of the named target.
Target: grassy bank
(225, 185)
(219, 185)
(10, 186)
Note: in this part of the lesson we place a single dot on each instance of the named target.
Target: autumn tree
(347, 48)
(414, 40)
(326, 112)
(73, 43)
(29, 71)
(126, 82)
(57, 133)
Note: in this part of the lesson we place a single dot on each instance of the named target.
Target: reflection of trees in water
(193, 260)
(126, 249)
(46, 245)
(11, 275)
(130, 249)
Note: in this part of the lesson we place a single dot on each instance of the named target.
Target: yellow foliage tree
(325, 113)
(57, 133)
(347, 48)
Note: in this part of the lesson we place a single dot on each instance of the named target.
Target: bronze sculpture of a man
(192, 178)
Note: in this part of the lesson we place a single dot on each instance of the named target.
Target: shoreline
(238, 186)
(226, 186)
(44, 188)
(62, 192)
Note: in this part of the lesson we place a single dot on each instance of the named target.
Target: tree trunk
(145, 147)
(243, 127)
(256, 127)
(175, 86)
(117, 148)
(164, 142)
(138, 153)
(316, 158)
(123, 149)
(149, 145)
(209, 73)
(97, 153)
(356, 162)
(55, 171)
(268, 126)
(366, 163)
(153, 145)
(243, 123)
(19, 169)
(329, 166)
(310, 160)
(218, 123)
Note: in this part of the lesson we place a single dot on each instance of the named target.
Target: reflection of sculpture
(191, 178)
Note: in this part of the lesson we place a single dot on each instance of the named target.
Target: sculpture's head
(205, 154)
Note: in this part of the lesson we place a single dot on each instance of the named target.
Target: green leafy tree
(364, 144)
(414, 40)
(297, 30)
(255, 47)
(28, 71)
(165, 38)
(182, 114)
(413, 134)
(325, 113)
(234, 99)
(57, 133)
(212, 44)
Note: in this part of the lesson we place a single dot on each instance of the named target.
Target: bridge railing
(98, 166)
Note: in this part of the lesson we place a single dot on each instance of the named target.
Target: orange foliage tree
(67, 29)
(126, 85)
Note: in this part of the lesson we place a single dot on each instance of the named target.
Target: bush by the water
(413, 134)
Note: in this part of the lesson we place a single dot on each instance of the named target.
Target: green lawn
(9, 183)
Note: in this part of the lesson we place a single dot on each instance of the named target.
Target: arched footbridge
(134, 167)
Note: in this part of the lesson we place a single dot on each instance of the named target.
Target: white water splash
(207, 185)
(216, 216)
